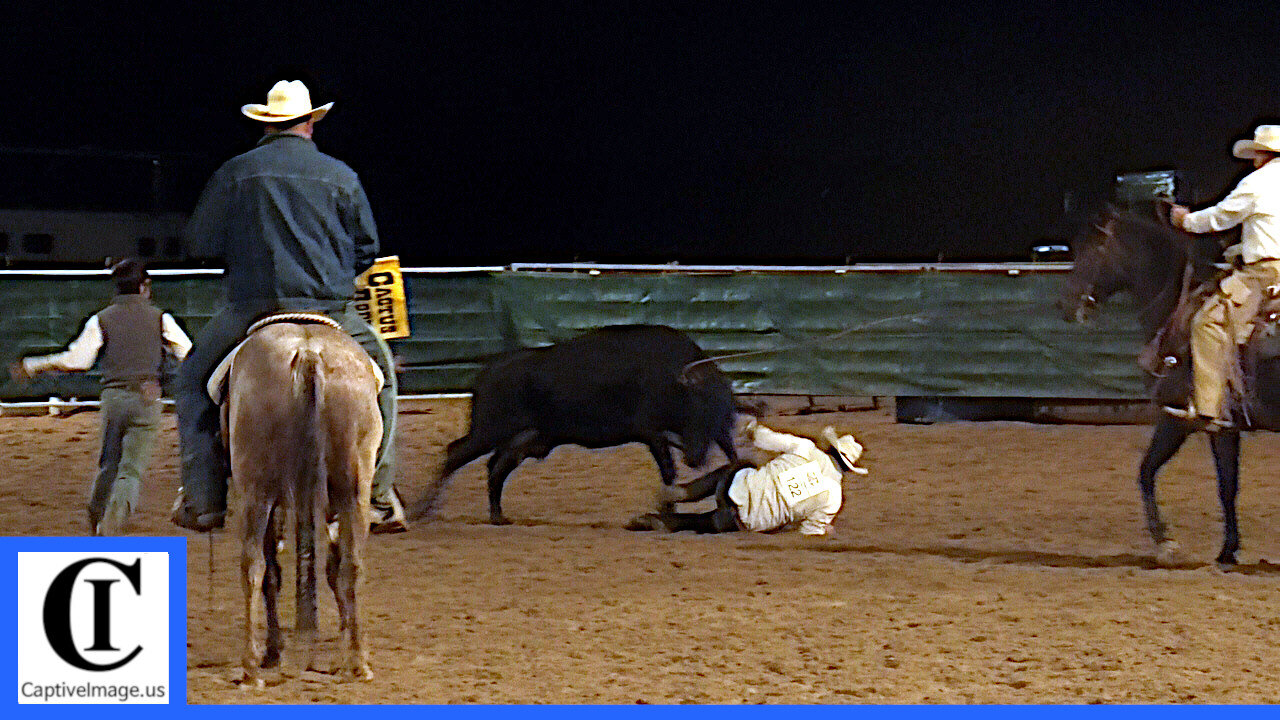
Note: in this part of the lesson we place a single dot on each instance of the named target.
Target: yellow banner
(380, 298)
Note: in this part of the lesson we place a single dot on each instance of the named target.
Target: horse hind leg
(271, 590)
(344, 568)
(252, 570)
(306, 621)
(1226, 460)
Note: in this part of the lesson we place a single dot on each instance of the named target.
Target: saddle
(1253, 375)
(216, 385)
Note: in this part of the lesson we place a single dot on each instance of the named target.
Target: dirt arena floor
(992, 562)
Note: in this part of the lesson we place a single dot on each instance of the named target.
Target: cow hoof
(1168, 553)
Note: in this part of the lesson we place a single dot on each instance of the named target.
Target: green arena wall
(944, 330)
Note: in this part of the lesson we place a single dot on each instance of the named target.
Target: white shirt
(83, 351)
(802, 484)
(1255, 203)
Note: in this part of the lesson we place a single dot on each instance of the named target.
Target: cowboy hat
(848, 448)
(287, 100)
(1265, 139)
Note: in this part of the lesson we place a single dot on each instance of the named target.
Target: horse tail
(310, 484)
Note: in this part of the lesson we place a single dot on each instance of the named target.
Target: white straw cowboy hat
(287, 100)
(1265, 139)
(848, 448)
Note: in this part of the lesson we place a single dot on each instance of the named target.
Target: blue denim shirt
(289, 222)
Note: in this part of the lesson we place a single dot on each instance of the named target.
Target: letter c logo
(57, 613)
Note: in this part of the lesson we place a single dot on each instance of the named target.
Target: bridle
(1087, 298)
(1104, 250)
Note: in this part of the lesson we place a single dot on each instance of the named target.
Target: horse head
(1124, 251)
(1097, 270)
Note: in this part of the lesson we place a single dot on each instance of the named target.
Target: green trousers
(130, 424)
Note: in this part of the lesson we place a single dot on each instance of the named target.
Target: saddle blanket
(216, 386)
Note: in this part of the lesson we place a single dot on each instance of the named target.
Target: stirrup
(388, 519)
(1212, 425)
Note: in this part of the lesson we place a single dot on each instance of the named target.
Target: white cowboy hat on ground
(848, 448)
(287, 100)
(1265, 139)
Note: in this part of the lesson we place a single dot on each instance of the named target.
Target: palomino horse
(302, 425)
(1124, 251)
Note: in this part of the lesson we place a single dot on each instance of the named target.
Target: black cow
(618, 384)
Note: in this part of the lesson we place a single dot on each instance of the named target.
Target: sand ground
(993, 562)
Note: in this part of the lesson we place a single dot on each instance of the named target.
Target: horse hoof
(252, 682)
(1168, 553)
(1226, 560)
(498, 520)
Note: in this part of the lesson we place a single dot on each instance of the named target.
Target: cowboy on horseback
(1226, 318)
(294, 227)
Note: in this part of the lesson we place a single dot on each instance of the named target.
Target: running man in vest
(129, 339)
(801, 487)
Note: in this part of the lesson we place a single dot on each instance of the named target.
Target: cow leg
(501, 463)
(1226, 460)
(503, 460)
(1167, 438)
(705, 485)
(660, 448)
(271, 590)
(252, 567)
(724, 439)
(725, 517)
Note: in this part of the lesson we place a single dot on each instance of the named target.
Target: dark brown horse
(1144, 256)
(302, 424)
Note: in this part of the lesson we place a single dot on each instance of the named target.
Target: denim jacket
(288, 221)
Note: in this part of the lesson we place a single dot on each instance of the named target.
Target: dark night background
(692, 132)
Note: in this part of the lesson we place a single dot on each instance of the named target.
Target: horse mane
(1151, 231)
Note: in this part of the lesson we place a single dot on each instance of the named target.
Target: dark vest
(132, 341)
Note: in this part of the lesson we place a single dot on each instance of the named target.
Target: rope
(686, 376)
(208, 597)
(294, 317)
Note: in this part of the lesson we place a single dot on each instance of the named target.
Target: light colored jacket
(1254, 204)
(802, 484)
